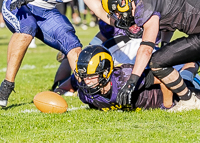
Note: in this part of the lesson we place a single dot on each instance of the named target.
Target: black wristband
(147, 43)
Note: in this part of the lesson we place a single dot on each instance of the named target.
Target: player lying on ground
(155, 16)
(117, 40)
(99, 82)
(123, 49)
(123, 45)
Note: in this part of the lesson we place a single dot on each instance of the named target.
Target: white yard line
(78, 108)
(35, 110)
(30, 67)
(50, 66)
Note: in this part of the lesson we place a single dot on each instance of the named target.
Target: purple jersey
(183, 15)
(142, 97)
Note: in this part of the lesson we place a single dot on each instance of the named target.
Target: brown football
(50, 102)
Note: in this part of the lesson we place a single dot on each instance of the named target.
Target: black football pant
(179, 51)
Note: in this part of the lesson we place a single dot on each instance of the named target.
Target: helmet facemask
(124, 10)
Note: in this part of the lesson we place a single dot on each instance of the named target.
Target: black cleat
(5, 90)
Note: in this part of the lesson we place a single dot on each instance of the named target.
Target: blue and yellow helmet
(123, 8)
(94, 60)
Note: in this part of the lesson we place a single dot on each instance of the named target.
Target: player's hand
(124, 95)
(18, 3)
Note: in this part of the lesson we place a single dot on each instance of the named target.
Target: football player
(99, 83)
(123, 45)
(117, 40)
(35, 18)
(155, 15)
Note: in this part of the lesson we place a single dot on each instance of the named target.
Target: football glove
(18, 3)
(124, 95)
(60, 56)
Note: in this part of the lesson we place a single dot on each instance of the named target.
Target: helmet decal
(95, 61)
(105, 5)
(125, 7)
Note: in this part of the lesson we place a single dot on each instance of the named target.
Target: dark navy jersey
(183, 15)
(109, 31)
(142, 97)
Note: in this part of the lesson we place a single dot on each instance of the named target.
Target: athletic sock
(186, 96)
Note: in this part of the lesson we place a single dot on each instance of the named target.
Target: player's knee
(30, 29)
(73, 45)
(162, 72)
(158, 70)
(153, 63)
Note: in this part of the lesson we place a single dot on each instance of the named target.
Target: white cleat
(68, 93)
(186, 105)
(3, 103)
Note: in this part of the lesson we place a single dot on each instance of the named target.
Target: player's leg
(182, 50)
(57, 32)
(23, 25)
(167, 95)
(63, 73)
(16, 50)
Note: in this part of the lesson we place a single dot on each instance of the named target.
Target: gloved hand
(18, 3)
(124, 95)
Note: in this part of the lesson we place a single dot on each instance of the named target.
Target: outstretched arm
(96, 7)
(151, 28)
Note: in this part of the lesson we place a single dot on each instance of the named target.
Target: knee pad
(163, 72)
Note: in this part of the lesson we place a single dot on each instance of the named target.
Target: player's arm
(96, 7)
(188, 72)
(151, 28)
(18, 3)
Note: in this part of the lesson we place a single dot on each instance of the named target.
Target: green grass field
(20, 121)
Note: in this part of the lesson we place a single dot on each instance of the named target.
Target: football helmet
(94, 60)
(123, 8)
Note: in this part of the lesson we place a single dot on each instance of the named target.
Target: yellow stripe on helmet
(105, 5)
(94, 62)
(124, 8)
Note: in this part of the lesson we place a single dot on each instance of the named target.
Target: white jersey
(48, 4)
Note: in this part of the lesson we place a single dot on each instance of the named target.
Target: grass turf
(20, 121)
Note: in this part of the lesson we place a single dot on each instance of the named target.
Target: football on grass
(50, 102)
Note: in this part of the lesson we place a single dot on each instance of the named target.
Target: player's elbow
(145, 51)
